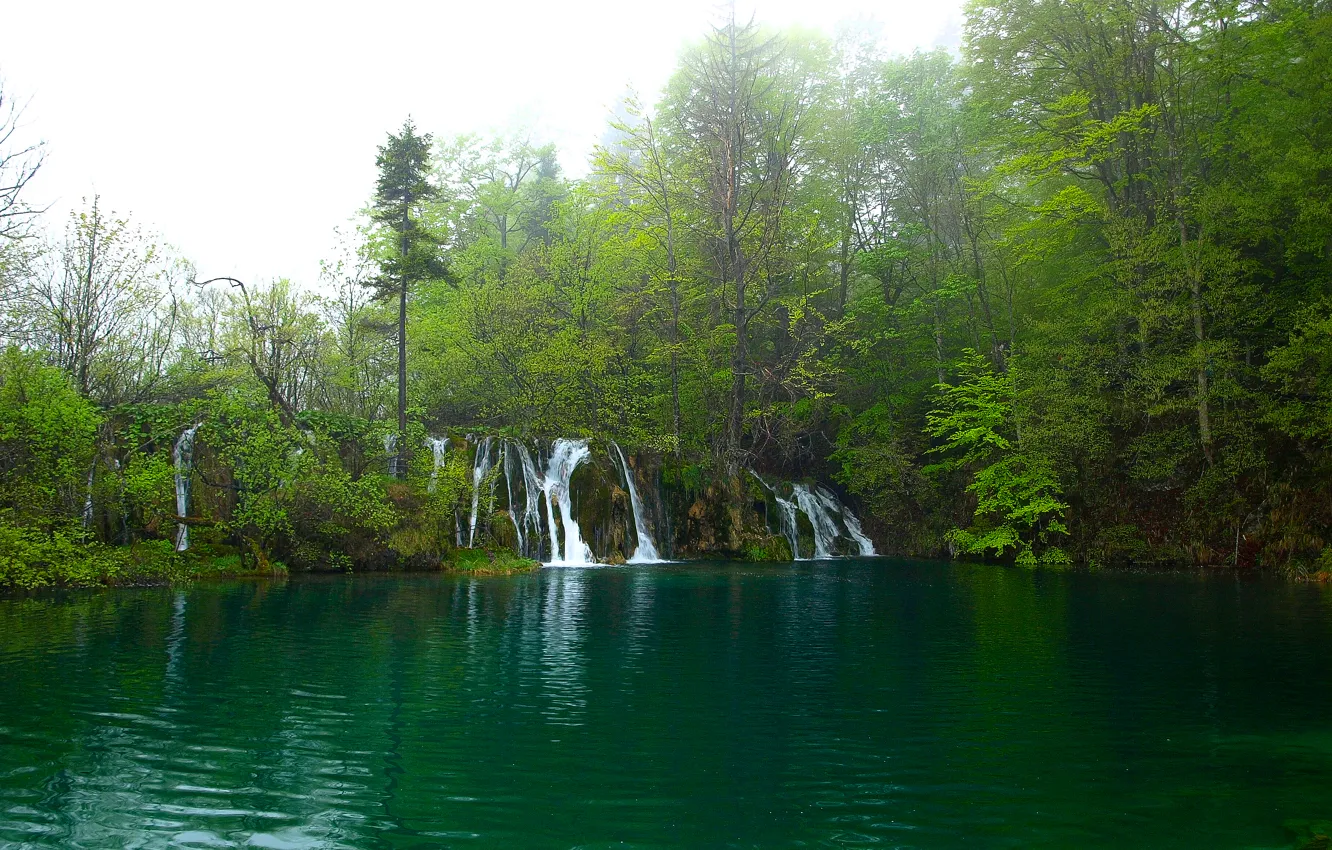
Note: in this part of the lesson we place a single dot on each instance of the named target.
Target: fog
(245, 133)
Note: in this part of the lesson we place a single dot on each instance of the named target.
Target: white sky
(244, 132)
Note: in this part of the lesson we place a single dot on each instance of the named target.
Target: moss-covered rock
(489, 562)
(768, 548)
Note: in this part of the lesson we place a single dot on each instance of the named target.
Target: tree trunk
(1195, 298)
(675, 330)
(400, 462)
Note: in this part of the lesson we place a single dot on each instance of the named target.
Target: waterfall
(787, 517)
(88, 499)
(507, 461)
(565, 457)
(183, 454)
(852, 523)
(480, 470)
(646, 553)
(824, 509)
(439, 447)
(826, 530)
(527, 523)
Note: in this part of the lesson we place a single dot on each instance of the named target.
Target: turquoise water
(856, 703)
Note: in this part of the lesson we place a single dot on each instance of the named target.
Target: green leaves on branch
(1017, 504)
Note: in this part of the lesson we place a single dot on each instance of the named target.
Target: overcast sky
(245, 132)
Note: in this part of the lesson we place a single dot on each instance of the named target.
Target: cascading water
(824, 509)
(439, 447)
(825, 527)
(565, 457)
(480, 469)
(852, 523)
(787, 517)
(527, 524)
(88, 500)
(646, 553)
(183, 455)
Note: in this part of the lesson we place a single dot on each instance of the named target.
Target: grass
(484, 562)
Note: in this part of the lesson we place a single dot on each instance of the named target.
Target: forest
(1061, 298)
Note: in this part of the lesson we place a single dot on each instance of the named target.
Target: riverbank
(58, 562)
(33, 562)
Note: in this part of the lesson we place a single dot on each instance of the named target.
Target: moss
(35, 560)
(489, 562)
(767, 549)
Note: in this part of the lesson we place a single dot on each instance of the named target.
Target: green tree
(403, 189)
(1017, 497)
(47, 434)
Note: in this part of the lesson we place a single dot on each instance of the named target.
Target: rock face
(597, 503)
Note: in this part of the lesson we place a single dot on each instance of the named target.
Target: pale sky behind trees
(245, 132)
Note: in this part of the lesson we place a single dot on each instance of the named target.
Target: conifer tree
(403, 187)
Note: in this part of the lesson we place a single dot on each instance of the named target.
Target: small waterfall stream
(484, 462)
(646, 552)
(183, 455)
(88, 499)
(565, 457)
(825, 527)
(787, 517)
(852, 523)
(439, 447)
(829, 518)
(518, 464)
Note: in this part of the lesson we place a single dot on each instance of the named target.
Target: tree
(1017, 497)
(737, 109)
(47, 432)
(404, 186)
(102, 304)
(18, 165)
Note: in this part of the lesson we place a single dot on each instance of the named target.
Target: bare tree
(274, 333)
(18, 164)
(360, 367)
(102, 304)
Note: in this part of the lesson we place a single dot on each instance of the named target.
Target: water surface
(874, 703)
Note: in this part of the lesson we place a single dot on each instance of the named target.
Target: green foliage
(1301, 371)
(771, 549)
(32, 559)
(46, 443)
(779, 272)
(1017, 504)
(490, 562)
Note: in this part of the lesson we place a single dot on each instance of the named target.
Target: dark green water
(855, 703)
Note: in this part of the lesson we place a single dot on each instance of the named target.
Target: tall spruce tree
(404, 186)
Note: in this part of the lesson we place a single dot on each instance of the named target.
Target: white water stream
(183, 455)
(646, 551)
(565, 457)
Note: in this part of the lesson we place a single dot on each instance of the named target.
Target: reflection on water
(908, 705)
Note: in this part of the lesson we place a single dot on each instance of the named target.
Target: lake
(847, 703)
